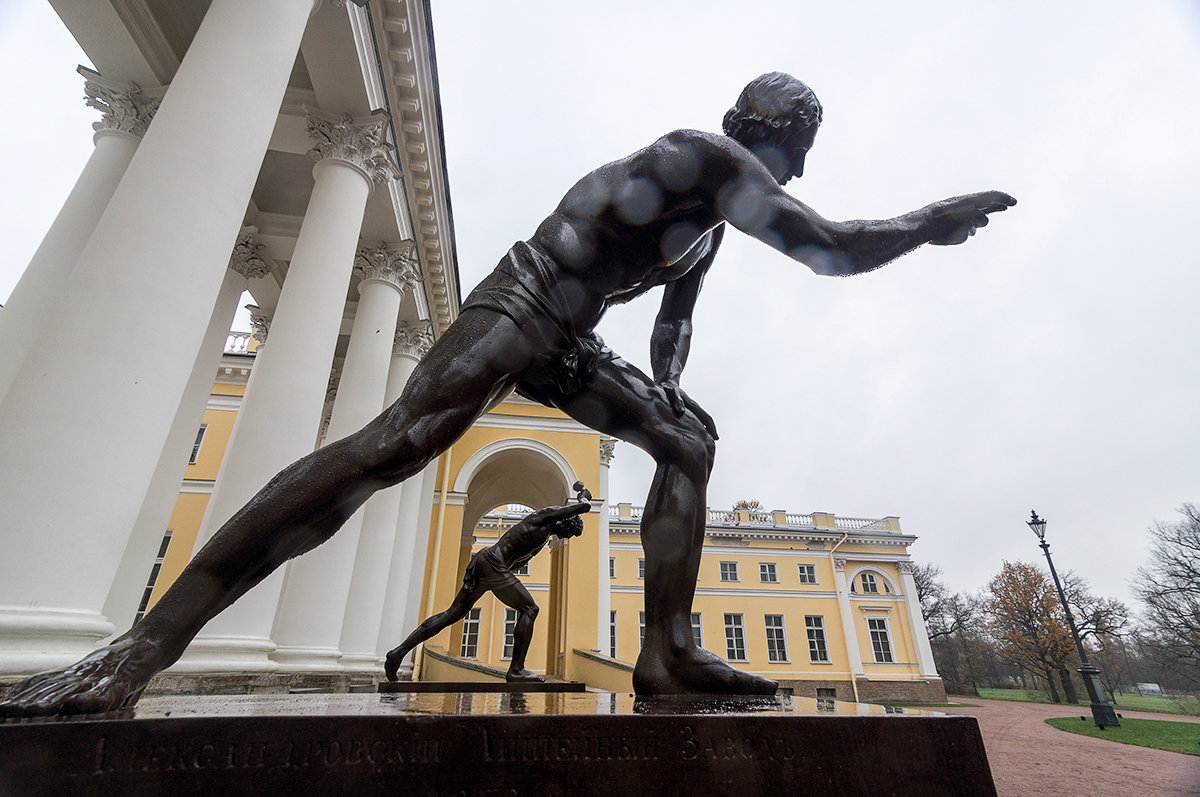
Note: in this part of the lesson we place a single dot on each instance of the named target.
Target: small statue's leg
(522, 635)
(458, 609)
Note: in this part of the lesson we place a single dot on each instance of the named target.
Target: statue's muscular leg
(465, 371)
(515, 596)
(457, 610)
(622, 401)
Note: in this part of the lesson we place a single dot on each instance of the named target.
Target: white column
(246, 263)
(604, 583)
(281, 412)
(406, 577)
(93, 404)
(308, 626)
(126, 111)
(848, 630)
(915, 621)
(377, 541)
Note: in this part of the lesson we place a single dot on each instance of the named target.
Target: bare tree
(1170, 587)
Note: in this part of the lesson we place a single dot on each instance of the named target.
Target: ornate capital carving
(607, 451)
(360, 143)
(247, 257)
(260, 323)
(413, 340)
(395, 265)
(839, 563)
(906, 568)
(122, 106)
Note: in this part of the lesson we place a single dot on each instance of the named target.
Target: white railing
(237, 342)
(758, 517)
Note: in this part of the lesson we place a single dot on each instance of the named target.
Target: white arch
(891, 582)
(476, 460)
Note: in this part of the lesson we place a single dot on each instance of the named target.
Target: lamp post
(1102, 711)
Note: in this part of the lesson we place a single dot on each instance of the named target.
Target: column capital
(260, 323)
(905, 568)
(123, 107)
(395, 265)
(607, 451)
(359, 143)
(839, 564)
(413, 340)
(247, 258)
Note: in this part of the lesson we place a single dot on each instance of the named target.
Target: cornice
(409, 62)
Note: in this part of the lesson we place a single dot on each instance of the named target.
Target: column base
(305, 659)
(362, 662)
(227, 654)
(33, 639)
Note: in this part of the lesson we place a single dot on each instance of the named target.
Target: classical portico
(288, 148)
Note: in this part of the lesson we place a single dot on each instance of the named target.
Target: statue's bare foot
(111, 678)
(523, 676)
(392, 662)
(693, 670)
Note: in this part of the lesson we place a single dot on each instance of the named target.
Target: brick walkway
(1028, 757)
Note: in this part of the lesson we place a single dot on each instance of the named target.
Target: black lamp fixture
(1102, 712)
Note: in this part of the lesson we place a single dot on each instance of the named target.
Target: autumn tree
(1025, 616)
(952, 622)
(1169, 585)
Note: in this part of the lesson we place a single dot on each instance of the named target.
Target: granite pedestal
(506, 743)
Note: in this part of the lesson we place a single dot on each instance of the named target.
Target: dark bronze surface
(398, 687)
(494, 744)
(654, 218)
(491, 570)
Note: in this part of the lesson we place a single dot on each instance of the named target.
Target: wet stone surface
(494, 743)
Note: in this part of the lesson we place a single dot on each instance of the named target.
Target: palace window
(641, 568)
(612, 633)
(870, 586)
(196, 445)
(818, 651)
(641, 630)
(510, 633)
(521, 569)
(612, 567)
(729, 571)
(767, 573)
(808, 574)
(881, 644)
(735, 638)
(470, 635)
(697, 630)
(776, 638)
(154, 571)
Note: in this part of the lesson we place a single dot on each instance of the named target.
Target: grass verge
(1175, 737)
(1125, 701)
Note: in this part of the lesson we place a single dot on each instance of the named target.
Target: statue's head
(776, 117)
(568, 527)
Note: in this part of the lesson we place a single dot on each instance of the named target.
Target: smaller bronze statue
(491, 570)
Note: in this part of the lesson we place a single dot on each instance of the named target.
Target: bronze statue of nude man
(491, 570)
(653, 218)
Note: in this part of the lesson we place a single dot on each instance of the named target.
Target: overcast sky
(1050, 362)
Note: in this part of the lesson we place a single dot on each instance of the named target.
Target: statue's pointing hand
(953, 221)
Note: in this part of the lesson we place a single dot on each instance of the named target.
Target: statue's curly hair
(569, 527)
(770, 105)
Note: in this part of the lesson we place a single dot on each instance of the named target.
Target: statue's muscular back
(646, 219)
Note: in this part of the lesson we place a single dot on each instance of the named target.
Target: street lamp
(1102, 712)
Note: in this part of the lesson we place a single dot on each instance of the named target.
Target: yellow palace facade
(823, 603)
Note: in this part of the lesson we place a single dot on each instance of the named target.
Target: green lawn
(1125, 701)
(1176, 737)
(1020, 695)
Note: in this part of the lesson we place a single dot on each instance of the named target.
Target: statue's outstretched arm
(746, 195)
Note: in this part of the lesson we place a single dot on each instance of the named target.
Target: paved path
(1030, 758)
